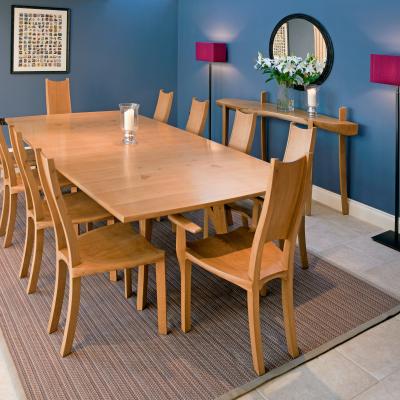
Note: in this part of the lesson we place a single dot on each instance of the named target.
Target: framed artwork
(40, 40)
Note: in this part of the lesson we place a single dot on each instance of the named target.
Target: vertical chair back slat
(282, 211)
(65, 235)
(58, 97)
(20, 163)
(164, 105)
(243, 130)
(300, 142)
(7, 162)
(197, 117)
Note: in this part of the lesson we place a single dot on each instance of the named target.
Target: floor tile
(255, 395)
(373, 249)
(350, 259)
(10, 386)
(387, 389)
(330, 376)
(377, 351)
(386, 277)
(327, 235)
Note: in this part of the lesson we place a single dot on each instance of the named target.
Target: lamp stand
(391, 238)
(209, 99)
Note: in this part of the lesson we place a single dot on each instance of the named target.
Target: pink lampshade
(211, 52)
(385, 69)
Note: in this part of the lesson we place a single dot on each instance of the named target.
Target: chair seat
(81, 209)
(228, 256)
(113, 247)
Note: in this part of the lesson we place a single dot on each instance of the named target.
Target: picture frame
(40, 40)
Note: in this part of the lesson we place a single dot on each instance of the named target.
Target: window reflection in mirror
(299, 37)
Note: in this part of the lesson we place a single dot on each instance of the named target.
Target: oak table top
(169, 170)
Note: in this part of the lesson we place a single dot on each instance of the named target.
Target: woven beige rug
(118, 354)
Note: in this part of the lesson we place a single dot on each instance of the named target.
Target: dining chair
(301, 141)
(164, 105)
(81, 209)
(101, 250)
(251, 259)
(241, 139)
(58, 98)
(198, 117)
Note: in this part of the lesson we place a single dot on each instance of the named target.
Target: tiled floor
(367, 367)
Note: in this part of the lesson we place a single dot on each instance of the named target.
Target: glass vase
(129, 122)
(285, 102)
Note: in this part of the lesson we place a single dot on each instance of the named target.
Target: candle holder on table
(312, 100)
(129, 121)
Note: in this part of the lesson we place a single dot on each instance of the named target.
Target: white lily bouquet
(291, 70)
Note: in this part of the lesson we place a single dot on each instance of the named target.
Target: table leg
(225, 125)
(264, 138)
(113, 274)
(217, 215)
(343, 174)
(145, 230)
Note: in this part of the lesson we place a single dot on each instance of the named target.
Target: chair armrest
(185, 223)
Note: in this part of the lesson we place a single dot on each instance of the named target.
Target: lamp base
(389, 239)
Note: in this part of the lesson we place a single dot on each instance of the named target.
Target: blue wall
(357, 28)
(121, 50)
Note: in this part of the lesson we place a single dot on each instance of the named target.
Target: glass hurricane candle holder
(129, 121)
(312, 100)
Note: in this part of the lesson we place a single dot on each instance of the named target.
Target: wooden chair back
(198, 116)
(164, 105)
(281, 212)
(242, 134)
(58, 97)
(301, 141)
(66, 239)
(33, 199)
(7, 161)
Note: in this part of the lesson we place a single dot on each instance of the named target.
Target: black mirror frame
(328, 41)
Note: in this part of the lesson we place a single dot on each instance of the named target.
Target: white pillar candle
(312, 97)
(129, 120)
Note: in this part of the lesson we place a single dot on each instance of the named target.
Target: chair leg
(128, 283)
(12, 214)
(5, 210)
(253, 308)
(113, 274)
(143, 277)
(245, 222)
(302, 243)
(58, 297)
(186, 294)
(161, 298)
(205, 224)
(72, 317)
(288, 315)
(229, 217)
(29, 241)
(37, 260)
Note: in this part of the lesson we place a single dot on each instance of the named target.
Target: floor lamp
(386, 70)
(211, 53)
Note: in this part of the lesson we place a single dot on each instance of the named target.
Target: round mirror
(301, 35)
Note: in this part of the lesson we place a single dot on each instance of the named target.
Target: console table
(340, 126)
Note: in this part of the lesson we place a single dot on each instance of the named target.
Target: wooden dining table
(169, 171)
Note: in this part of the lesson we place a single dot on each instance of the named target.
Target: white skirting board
(356, 209)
